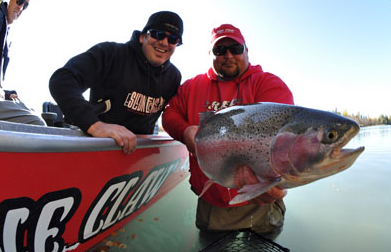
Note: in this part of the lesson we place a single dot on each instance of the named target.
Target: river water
(349, 211)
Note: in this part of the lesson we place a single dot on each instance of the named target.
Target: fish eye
(330, 136)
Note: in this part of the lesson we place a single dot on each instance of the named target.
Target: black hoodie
(137, 91)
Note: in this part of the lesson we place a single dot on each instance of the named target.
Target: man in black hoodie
(135, 81)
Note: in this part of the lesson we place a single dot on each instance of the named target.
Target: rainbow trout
(282, 145)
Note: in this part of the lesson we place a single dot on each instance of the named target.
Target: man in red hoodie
(231, 80)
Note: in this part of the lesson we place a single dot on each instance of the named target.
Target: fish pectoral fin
(207, 185)
(249, 192)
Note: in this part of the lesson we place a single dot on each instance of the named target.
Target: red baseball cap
(226, 31)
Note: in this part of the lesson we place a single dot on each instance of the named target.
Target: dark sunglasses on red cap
(22, 2)
(222, 50)
(159, 35)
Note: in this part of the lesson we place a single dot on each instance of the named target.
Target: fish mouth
(339, 158)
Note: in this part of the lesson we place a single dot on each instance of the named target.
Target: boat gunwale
(16, 137)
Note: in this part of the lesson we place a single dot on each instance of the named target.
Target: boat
(62, 190)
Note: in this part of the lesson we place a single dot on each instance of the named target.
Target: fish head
(310, 146)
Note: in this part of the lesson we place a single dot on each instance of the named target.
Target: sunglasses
(222, 50)
(22, 2)
(159, 35)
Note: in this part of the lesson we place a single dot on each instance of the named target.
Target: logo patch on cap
(225, 31)
(171, 26)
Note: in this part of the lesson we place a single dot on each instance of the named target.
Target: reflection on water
(349, 211)
(377, 139)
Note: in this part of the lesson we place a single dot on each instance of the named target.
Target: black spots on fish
(262, 146)
(267, 153)
(224, 155)
(217, 125)
(253, 128)
(269, 119)
(251, 149)
(258, 151)
(204, 116)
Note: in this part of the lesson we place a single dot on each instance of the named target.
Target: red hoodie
(206, 93)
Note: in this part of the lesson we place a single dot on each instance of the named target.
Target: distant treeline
(365, 120)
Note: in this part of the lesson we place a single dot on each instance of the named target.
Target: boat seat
(52, 114)
(37, 129)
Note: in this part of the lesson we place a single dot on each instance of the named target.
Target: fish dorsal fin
(207, 185)
(204, 116)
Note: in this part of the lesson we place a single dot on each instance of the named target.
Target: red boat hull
(69, 201)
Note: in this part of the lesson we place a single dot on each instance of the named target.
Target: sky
(332, 54)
